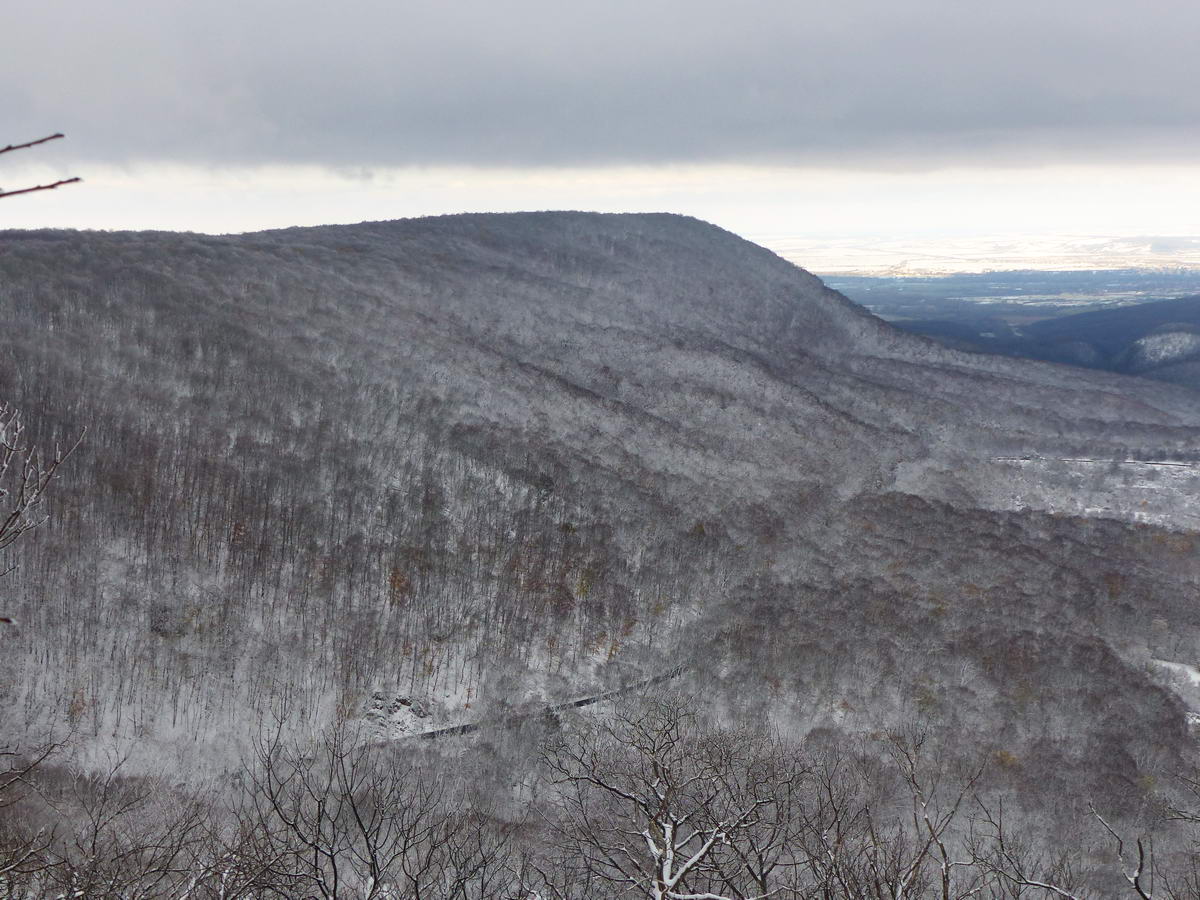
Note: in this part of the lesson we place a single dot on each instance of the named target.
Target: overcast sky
(794, 115)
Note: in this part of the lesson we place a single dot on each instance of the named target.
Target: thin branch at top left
(37, 187)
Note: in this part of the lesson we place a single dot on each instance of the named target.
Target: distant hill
(1159, 340)
(429, 471)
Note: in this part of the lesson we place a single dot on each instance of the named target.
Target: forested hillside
(407, 475)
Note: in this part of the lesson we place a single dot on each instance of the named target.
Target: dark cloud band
(530, 82)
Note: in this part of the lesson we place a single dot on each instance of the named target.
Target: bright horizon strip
(772, 205)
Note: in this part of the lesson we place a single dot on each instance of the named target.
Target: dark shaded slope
(1013, 631)
(1111, 330)
(1159, 340)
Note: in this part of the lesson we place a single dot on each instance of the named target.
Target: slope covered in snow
(459, 465)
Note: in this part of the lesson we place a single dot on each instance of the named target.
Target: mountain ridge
(482, 461)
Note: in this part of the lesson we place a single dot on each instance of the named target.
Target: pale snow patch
(1189, 673)
(1160, 348)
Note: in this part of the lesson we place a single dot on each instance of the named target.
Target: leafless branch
(11, 147)
(1133, 872)
(39, 187)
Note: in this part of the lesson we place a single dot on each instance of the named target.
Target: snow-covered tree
(654, 804)
(25, 474)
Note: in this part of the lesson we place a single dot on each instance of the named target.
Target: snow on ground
(1160, 348)
(1188, 674)
(1157, 493)
(1163, 493)
(1184, 680)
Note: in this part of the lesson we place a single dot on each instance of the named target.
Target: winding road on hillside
(549, 709)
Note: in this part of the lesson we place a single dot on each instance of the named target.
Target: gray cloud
(892, 83)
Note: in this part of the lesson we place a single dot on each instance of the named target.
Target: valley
(1137, 322)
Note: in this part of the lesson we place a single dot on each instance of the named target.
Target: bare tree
(23, 844)
(25, 475)
(1018, 867)
(937, 800)
(650, 802)
(343, 818)
(1021, 865)
(124, 836)
(767, 858)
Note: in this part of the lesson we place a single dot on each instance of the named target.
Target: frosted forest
(565, 555)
